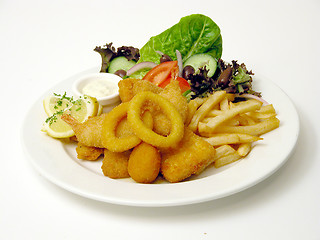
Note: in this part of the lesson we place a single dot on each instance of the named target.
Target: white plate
(57, 161)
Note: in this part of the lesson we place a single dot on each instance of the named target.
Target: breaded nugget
(89, 132)
(144, 163)
(88, 153)
(115, 164)
(192, 156)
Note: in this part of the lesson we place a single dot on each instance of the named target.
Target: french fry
(244, 149)
(192, 108)
(256, 129)
(248, 120)
(230, 138)
(227, 160)
(230, 127)
(242, 107)
(201, 112)
(222, 139)
(225, 155)
(257, 116)
(224, 104)
(223, 150)
(232, 122)
(214, 113)
(267, 109)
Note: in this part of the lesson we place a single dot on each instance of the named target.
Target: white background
(44, 42)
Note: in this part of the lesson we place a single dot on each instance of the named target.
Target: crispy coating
(129, 87)
(88, 153)
(171, 92)
(146, 134)
(110, 124)
(115, 164)
(125, 89)
(143, 85)
(124, 130)
(192, 156)
(144, 163)
(88, 133)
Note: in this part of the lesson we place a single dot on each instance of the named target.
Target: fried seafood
(156, 131)
(109, 138)
(88, 153)
(115, 164)
(129, 87)
(191, 156)
(124, 129)
(125, 89)
(148, 135)
(126, 139)
(144, 163)
(171, 92)
(88, 133)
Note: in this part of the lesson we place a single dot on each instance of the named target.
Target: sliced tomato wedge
(162, 74)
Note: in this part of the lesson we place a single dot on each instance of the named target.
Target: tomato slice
(184, 85)
(162, 74)
(162, 71)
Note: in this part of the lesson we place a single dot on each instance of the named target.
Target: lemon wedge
(57, 105)
(53, 104)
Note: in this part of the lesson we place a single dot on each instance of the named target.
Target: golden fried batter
(192, 156)
(115, 164)
(129, 87)
(88, 153)
(89, 132)
(171, 92)
(144, 163)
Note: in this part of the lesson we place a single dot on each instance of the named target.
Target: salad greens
(230, 77)
(108, 53)
(193, 34)
(195, 37)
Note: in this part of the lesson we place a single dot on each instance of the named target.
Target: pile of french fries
(230, 127)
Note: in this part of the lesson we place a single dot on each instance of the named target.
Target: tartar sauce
(100, 88)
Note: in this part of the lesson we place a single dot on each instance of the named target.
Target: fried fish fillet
(129, 87)
(88, 153)
(88, 133)
(191, 156)
(115, 164)
(171, 92)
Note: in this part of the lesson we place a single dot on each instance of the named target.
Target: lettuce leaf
(193, 34)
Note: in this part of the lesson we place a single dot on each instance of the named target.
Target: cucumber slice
(200, 60)
(120, 63)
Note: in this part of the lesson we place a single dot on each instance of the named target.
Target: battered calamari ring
(109, 138)
(145, 133)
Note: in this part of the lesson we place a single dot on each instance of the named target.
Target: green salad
(195, 44)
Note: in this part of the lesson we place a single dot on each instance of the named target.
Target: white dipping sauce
(100, 88)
